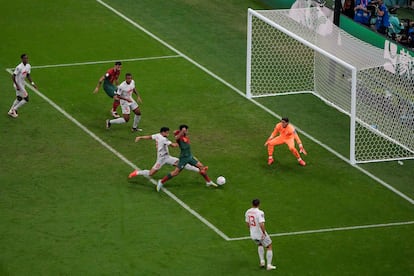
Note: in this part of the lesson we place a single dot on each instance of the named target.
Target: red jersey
(112, 75)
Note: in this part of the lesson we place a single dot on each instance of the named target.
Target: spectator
(395, 25)
(348, 7)
(362, 14)
(383, 21)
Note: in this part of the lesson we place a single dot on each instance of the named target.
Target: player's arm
(99, 84)
(299, 142)
(146, 137)
(174, 145)
(262, 227)
(15, 82)
(118, 96)
(272, 135)
(180, 133)
(139, 99)
(31, 81)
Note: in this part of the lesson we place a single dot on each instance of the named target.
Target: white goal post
(302, 51)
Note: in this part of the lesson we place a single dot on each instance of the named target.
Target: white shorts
(161, 161)
(128, 106)
(22, 92)
(265, 242)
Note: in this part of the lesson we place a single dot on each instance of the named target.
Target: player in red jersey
(110, 81)
(287, 135)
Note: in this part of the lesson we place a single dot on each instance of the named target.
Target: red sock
(166, 178)
(206, 177)
(115, 105)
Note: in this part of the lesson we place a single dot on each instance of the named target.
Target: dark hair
(164, 129)
(118, 63)
(286, 119)
(22, 55)
(255, 202)
(183, 126)
(128, 75)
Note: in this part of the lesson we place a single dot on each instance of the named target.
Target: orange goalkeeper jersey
(288, 132)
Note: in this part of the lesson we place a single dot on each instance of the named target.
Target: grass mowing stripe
(103, 61)
(124, 159)
(383, 183)
(332, 229)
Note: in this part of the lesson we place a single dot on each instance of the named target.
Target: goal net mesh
(302, 51)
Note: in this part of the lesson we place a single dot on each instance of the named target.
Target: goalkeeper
(287, 135)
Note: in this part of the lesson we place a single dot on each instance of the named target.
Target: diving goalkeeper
(287, 135)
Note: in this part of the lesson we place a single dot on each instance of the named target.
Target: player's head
(284, 121)
(256, 202)
(164, 131)
(24, 58)
(183, 126)
(128, 78)
(118, 65)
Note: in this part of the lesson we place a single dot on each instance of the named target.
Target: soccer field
(67, 206)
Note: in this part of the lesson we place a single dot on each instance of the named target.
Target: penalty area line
(124, 159)
(349, 228)
(102, 61)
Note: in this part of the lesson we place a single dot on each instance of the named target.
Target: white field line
(124, 159)
(101, 62)
(388, 186)
(349, 228)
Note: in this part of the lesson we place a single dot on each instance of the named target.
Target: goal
(302, 51)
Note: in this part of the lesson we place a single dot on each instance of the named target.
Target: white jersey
(255, 216)
(162, 144)
(125, 90)
(21, 72)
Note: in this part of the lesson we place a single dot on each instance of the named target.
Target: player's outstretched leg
(115, 105)
(203, 172)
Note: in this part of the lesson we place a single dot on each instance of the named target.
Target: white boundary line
(383, 183)
(382, 225)
(102, 61)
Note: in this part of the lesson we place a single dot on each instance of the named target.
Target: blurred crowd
(383, 17)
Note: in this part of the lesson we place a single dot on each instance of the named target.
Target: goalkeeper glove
(302, 149)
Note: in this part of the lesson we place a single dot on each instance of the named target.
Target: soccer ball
(221, 180)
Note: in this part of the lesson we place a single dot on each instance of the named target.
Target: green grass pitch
(67, 207)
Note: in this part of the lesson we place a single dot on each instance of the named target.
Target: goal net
(302, 51)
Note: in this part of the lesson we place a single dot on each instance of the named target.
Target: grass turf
(68, 208)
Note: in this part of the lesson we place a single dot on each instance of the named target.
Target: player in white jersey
(163, 156)
(20, 73)
(255, 220)
(124, 94)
